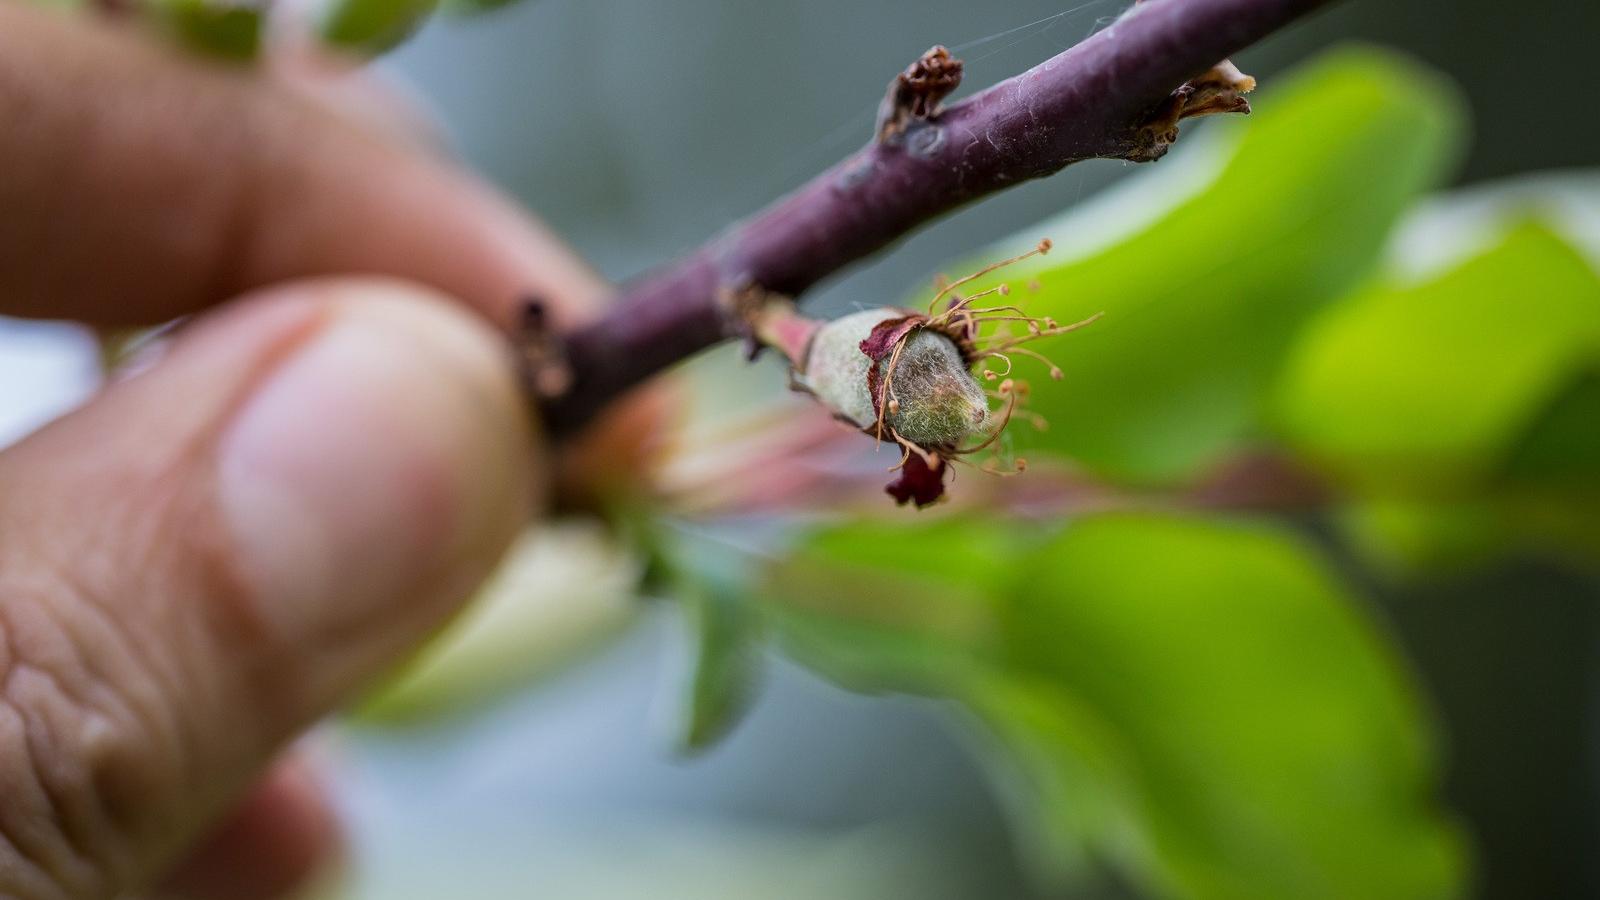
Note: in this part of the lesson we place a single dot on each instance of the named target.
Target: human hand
(220, 549)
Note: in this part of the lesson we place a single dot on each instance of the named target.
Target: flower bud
(932, 399)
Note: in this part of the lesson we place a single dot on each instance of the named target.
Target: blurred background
(638, 129)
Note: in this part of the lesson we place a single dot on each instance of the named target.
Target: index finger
(137, 185)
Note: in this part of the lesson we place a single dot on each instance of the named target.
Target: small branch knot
(542, 354)
(765, 319)
(916, 93)
(1220, 90)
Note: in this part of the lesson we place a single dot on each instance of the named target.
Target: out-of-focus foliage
(561, 589)
(1196, 700)
(469, 7)
(369, 27)
(1224, 257)
(710, 585)
(1425, 389)
(1461, 411)
(227, 30)
(1560, 450)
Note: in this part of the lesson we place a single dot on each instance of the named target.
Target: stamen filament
(1044, 247)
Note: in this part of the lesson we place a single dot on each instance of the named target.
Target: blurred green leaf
(917, 600)
(1198, 701)
(1405, 536)
(725, 659)
(1426, 389)
(472, 7)
(370, 27)
(1408, 537)
(221, 28)
(1206, 266)
(1549, 489)
(712, 588)
(560, 589)
(1459, 397)
(1561, 450)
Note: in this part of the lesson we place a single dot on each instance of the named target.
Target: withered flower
(906, 377)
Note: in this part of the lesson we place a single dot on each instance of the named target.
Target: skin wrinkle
(85, 586)
(166, 768)
(158, 724)
(37, 848)
(38, 698)
(111, 675)
(124, 779)
(19, 871)
(119, 774)
(77, 578)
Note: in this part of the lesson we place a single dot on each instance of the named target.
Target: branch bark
(1118, 94)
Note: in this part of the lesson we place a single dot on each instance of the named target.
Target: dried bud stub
(907, 377)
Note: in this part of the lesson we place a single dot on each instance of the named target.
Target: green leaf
(1459, 397)
(473, 7)
(219, 28)
(711, 586)
(370, 27)
(1561, 450)
(921, 595)
(1206, 266)
(1401, 536)
(1426, 389)
(561, 589)
(1199, 702)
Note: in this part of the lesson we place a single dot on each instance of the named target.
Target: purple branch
(1118, 94)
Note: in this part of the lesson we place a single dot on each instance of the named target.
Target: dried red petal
(880, 343)
(918, 483)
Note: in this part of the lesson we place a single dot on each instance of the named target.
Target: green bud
(933, 400)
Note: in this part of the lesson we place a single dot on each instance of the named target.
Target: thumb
(223, 547)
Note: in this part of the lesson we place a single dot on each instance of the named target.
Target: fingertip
(374, 476)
